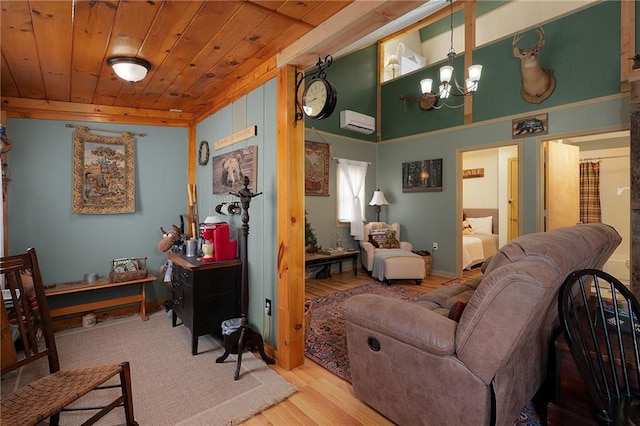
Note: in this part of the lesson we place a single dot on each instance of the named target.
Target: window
(350, 181)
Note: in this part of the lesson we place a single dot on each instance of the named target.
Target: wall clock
(319, 99)
(203, 153)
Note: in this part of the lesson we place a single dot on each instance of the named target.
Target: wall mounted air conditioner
(351, 120)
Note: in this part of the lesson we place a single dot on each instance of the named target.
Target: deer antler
(516, 39)
(540, 43)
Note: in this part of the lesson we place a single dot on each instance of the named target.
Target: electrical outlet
(435, 246)
(267, 307)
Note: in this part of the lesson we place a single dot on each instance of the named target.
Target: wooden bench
(79, 286)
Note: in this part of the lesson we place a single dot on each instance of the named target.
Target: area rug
(326, 342)
(169, 385)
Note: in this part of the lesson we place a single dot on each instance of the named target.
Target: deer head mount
(537, 83)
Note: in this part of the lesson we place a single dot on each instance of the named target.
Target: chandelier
(449, 86)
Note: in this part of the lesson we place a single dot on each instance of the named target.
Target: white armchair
(368, 250)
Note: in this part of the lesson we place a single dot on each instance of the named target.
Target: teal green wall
(322, 211)
(256, 108)
(71, 245)
(586, 64)
(428, 217)
(355, 79)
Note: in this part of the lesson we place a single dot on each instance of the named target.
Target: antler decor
(537, 83)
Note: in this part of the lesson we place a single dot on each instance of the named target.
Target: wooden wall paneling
(29, 108)
(19, 47)
(634, 113)
(92, 26)
(50, 23)
(167, 30)
(290, 221)
(241, 87)
(197, 37)
(469, 45)
(192, 219)
(627, 41)
(133, 20)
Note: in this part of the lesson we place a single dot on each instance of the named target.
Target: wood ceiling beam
(347, 26)
(281, 15)
(50, 110)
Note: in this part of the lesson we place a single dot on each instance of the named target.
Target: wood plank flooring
(323, 398)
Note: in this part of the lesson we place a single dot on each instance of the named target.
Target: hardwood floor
(322, 397)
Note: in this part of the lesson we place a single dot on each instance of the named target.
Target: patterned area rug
(326, 342)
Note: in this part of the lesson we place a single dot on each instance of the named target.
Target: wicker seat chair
(49, 395)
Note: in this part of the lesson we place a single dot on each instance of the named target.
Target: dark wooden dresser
(204, 294)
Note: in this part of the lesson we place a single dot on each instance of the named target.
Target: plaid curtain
(590, 193)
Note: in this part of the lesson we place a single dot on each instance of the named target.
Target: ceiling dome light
(129, 69)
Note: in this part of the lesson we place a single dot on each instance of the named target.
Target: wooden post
(634, 120)
(290, 224)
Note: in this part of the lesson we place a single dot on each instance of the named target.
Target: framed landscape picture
(422, 176)
(230, 169)
(316, 168)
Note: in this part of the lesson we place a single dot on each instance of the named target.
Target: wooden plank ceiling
(54, 53)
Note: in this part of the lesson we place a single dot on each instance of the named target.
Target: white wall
(481, 192)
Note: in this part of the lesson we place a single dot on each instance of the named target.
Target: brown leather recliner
(416, 366)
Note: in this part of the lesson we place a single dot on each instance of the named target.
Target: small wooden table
(78, 286)
(335, 257)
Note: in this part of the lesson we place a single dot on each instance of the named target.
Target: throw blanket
(381, 255)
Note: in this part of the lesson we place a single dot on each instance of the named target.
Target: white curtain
(351, 178)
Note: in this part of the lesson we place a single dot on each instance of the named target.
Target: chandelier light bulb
(446, 72)
(445, 90)
(474, 72)
(426, 85)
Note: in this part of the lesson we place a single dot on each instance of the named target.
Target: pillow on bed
(481, 225)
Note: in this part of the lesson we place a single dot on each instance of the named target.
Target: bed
(481, 241)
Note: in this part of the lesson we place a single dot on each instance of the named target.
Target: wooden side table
(335, 257)
(80, 286)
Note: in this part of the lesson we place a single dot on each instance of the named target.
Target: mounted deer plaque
(537, 83)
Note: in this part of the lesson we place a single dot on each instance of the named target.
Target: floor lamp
(378, 200)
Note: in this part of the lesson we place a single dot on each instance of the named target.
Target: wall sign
(236, 137)
(473, 173)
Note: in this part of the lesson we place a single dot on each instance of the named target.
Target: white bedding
(472, 251)
(477, 248)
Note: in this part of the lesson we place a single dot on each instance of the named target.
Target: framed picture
(536, 124)
(230, 169)
(103, 173)
(422, 176)
(316, 168)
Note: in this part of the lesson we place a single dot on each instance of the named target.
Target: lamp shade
(129, 69)
(378, 199)
(426, 85)
(446, 72)
(474, 72)
(393, 61)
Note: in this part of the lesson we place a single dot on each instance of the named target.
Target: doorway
(609, 154)
(489, 185)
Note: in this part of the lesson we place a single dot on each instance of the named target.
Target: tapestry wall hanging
(103, 173)
(316, 168)
(230, 169)
(422, 176)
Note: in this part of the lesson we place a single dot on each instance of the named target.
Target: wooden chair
(49, 395)
(600, 319)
